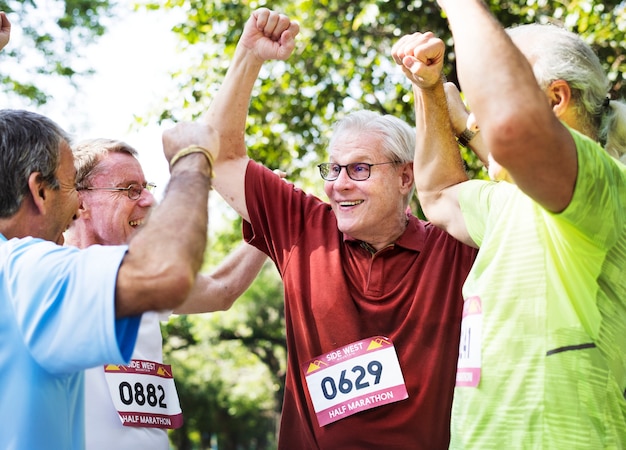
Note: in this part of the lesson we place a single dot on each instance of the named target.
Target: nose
(342, 179)
(146, 199)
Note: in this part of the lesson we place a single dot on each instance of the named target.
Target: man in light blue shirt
(57, 317)
(63, 310)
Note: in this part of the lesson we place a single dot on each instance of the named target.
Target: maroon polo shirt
(338, 292)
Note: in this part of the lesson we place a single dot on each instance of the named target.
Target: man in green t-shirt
(541, 361)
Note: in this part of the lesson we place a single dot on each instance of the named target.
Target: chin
(347, 229)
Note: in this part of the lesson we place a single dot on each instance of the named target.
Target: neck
(375, 245)
(76, 238)
(21, 225)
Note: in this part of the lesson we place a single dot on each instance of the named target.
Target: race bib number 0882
(144, 394)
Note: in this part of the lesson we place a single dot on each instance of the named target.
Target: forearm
(438, 166)
(227, 115)
(238, 271)
(438, 163)
(267, 35)
(479, 40)
(164, 257)
(229, 109)
(462, 120)
(220, 289)
(497, 80)
(517, 123)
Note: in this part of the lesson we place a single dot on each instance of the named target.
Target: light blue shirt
(57, 318)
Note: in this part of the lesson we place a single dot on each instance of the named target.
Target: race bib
(470, 362)
(354, 378)
(144, 394)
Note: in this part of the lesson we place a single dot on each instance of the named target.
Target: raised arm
(5, 30)
(516, 121)
(164, 257)
(438, 166)
(267, 35)
(218, 290)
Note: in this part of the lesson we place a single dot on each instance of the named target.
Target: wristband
(465, 137)
(188, 151)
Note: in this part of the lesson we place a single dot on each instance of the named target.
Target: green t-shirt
(543, 350)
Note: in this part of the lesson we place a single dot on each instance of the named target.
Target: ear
(38, 190)
(560, 95)
(407, 177)
(83, 208)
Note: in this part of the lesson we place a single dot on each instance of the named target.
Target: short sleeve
(64, 303)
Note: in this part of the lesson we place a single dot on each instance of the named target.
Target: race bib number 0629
(354, 378)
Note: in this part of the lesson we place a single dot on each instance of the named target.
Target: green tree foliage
(54, 33)
(341, 63)
(230, 370)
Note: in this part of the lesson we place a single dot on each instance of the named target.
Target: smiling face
(371, 210)
(110, 217)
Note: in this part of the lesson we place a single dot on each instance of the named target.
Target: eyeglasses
(356, 171)
(133, 190)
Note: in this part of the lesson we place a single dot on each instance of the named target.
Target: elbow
(174, 289)
(227, 297)
(504, 140)
(510, 134)
(430, 203)
(160, 286)
(226, 304)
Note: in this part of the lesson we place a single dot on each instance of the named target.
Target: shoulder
(424, 234)
(474, 190)
(32, 252)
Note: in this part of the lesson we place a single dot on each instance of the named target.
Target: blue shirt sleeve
(63, 299)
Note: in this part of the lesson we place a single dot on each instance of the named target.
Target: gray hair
(89, 153)
(559, 54)
(29, 143)
(398, 138)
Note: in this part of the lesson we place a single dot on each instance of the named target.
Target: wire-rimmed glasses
(358, 171)
(134, 190)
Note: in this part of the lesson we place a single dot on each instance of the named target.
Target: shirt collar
(412, 238)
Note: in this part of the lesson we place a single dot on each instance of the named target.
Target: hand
(185, 134)
(270, 35)
(421, 57)
(5, 30)
(280, 173)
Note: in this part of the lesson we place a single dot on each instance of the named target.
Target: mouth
(136, 223)
(346, 204)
